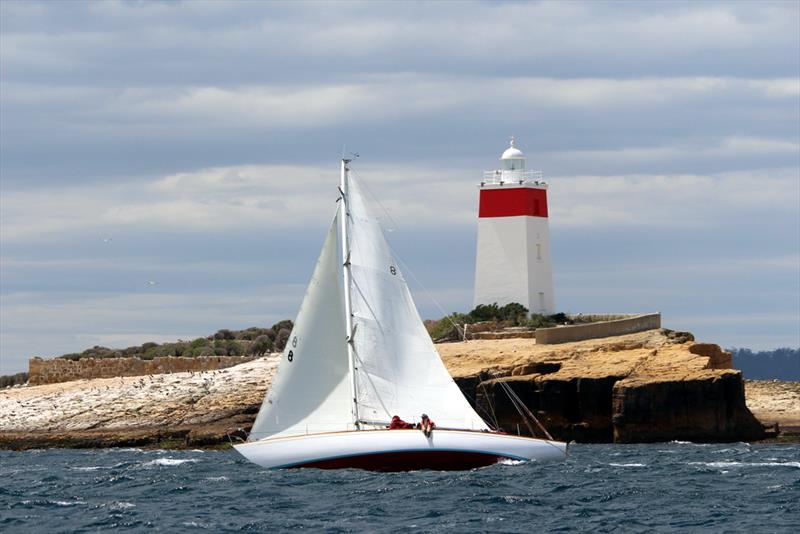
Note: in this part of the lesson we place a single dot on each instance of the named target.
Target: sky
(168, 169)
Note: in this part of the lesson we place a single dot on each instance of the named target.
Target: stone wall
(62, 370)
(566, 334)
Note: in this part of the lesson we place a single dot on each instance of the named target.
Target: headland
(656, 385)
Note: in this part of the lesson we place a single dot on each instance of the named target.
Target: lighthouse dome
(513, 159)
(512, 152)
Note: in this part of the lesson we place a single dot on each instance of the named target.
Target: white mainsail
(311, 389)
(398, 371)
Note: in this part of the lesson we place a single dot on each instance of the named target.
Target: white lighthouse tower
(513, 262)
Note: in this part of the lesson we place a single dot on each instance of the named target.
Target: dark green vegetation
(253, 341)
(780, 364)
(494, 317)
(7, 381)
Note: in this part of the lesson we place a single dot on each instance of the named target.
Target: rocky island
(657, 385)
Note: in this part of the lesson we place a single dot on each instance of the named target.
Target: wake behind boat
(359, 355)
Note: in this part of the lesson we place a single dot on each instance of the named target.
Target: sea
(600, 488)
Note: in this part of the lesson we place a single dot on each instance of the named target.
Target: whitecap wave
(747, 464)
(508, 461)
(67, 503)
(628, 465)
(169, 461)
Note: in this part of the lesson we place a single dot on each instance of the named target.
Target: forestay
(311, 390)
(399, 371)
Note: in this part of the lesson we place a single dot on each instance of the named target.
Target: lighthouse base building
(513, 262)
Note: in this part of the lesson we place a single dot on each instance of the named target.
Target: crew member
(426, 425)
(398, 423)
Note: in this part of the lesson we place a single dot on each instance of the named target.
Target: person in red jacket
(398, 423)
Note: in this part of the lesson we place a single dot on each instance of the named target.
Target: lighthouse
(513, 261)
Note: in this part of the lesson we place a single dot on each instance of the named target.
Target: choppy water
(674, 486)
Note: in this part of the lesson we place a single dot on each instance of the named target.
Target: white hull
(398, 450)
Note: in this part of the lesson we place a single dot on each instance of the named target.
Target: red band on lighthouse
(513, 202)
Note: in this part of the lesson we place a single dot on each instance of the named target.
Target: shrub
(282, 338)
(150, 353)
(251, 333)
(199, 342)
(286, 323)
(539, 321)
(236, 348)
(224, 334)
(261, 345)
(444, 329)
(484, 312)
(204, 352)
(513, 312)
(12, 380)
(147, 346)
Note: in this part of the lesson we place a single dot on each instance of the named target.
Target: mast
(348, 306)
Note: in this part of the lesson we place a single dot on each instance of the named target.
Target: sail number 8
(392, 270)
(290, 356)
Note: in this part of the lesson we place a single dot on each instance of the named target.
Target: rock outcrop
(188, 409)
(650, 386)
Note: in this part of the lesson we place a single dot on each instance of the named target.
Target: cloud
(282, 41)
(204, 138)
(221, 199)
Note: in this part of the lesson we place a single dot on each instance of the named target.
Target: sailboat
(358, 355)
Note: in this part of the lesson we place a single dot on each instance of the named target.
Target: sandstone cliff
(650, 386)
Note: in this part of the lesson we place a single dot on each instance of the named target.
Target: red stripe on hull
(409, 461)
(513, 202)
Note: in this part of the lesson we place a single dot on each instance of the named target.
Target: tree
(282, 338)
(224, 334)
(233, 348)
(261, 345)
(286, 323)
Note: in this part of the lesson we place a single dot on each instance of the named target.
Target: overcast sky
(196, 145)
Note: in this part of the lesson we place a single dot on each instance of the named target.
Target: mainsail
(310, 393)
(395, 369)
(398, 371)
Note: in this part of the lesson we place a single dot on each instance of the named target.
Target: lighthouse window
(513, 164)
(538, 251)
